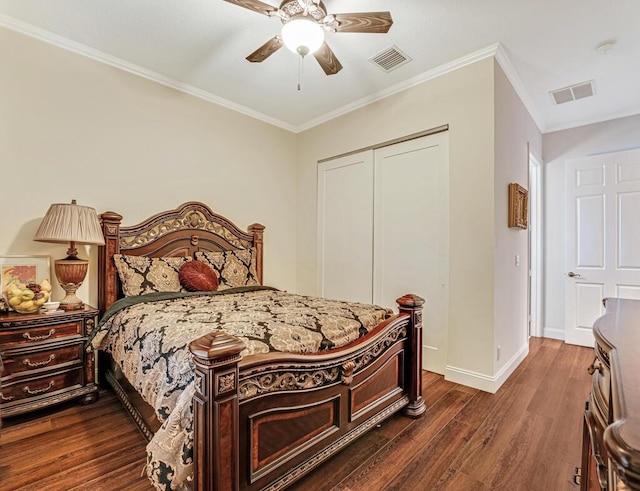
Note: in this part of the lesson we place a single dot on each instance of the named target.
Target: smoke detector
(573, 92)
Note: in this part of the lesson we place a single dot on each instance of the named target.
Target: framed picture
(23, 269)
(518, 206)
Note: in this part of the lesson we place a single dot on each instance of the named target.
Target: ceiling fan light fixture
(302, 35)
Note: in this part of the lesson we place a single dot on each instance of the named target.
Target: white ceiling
(201, 45)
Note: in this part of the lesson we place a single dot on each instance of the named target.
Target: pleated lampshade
(72, 223)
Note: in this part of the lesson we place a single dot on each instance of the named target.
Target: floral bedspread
(149, 340)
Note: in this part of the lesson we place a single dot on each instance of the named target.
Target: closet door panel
(411, 244)
(345, 228)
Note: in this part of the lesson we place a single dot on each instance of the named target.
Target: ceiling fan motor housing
(296, 8)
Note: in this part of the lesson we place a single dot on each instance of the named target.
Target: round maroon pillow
(196, 276)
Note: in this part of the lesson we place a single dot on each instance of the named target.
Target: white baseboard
(484, 382)
(554, 333)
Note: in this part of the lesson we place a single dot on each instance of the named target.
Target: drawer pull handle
(38, 391)
(37, 364)
(2, 396)
(595, 366)
(28, 336)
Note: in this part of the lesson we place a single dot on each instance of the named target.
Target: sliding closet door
(411, 234)
(345, 228)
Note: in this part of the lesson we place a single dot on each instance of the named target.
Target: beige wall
(71, 127)
(464, 100)
(515, 131)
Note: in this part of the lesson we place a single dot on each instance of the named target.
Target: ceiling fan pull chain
(300, 61)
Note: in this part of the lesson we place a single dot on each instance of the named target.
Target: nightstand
(45, 361)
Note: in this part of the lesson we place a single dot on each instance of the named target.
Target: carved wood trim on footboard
(267, 422)
(412, 306)
(215, 412)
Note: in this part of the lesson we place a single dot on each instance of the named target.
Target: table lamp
(70, 222)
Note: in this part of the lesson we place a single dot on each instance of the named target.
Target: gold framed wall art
(518, 206)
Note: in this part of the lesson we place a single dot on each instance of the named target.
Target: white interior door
(411, 234)
(345, 228)
(603, 237)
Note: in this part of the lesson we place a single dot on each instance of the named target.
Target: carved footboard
(263, 423)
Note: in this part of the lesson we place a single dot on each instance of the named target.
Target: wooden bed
(305, 408)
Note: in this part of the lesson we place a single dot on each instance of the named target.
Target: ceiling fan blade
(376, 22)
(327, 60)
(266, 50)
(255, 5)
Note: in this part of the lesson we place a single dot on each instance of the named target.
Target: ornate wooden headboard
(181, 232)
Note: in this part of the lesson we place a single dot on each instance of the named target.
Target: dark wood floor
(524, 437)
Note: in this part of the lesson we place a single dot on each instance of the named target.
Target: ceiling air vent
(574, 92)
(390, 59)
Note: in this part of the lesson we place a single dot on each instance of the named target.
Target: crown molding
(495, 50)
(96, 55)
(513, 77)
(451, 66)
(603, 119)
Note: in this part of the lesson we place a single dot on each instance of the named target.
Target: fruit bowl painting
(24, 282)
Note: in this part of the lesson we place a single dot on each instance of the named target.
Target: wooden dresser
(611, 437)
(45, 361)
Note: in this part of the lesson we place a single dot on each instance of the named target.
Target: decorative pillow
(233, 268)
(140, 275)
(196, 276)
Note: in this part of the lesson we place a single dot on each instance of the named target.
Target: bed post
(412, 305)
(216, 412)
(257, 231)
(107, 285)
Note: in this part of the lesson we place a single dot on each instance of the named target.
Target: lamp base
(71, 305)
(71, 272)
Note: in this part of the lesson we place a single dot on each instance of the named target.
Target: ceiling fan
(304, 22)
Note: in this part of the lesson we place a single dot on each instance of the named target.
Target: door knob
(571, 274)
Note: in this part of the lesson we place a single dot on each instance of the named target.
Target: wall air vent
(573, 92)
(390, 59)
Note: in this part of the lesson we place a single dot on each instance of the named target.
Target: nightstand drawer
(40, 333)
(24, 362)
(39, 387)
